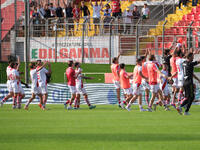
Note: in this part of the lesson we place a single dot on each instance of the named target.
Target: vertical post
(173, 6)
(190, 36)
(0, 29)
(82, 44)
(26, 41)
(137, 38)
(56, 40)
(163, 9)
(15, 27)
(163, 37)
(110, 43)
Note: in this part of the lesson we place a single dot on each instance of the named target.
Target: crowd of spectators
(71, 13)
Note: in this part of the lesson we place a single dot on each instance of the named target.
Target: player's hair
(31, 65)
(114, 59)
(166, 52)
(70, 63)
(139, 60)
(76, 64)
(189, 55)
(151, 57)
(12, 65)
(142, 57)
(180, 53)
(122, 66)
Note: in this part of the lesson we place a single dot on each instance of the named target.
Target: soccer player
(137, 79)
(71, 77)
(115, 68)
(179, 64)
(42, 80)
(125, 84)
(80, 88)
(153, 71)
(188, 70)
(174, 77)
(9, 87)
(35, 89)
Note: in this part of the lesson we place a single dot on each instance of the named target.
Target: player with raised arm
(35, 89)
(115, 68)
(71, 78)
(137, 79)
(9, 87)
(80, 88)
(153, 72)
(42, 80)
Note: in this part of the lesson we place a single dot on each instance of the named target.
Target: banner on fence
(96, 49)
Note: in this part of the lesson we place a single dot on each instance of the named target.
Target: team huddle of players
(177, 69)
(146, 75)
(38, 75)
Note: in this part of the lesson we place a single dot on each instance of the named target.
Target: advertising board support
(82, 43)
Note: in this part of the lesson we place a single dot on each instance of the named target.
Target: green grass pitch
(105, 128)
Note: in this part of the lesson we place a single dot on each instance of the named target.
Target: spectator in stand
(136, 13)
(116, 8)
(86, 13)
(184, 2)
(194, 2)
(96, 15)
(47, 11)
(106, 20)
(36, 22)
(52, 9)
(145, 12)
(69, 17)
(76, 15)
(41, 11)
(107, 9)
(128, 20)
(59, 11)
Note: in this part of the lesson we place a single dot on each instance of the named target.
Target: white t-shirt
(8, 71)
(33, 74)
(79, 77)
(96, 11)
(14, 75)
(162, 79)
(41, 75)
(179, 64)
(145, 11)
(127, 15)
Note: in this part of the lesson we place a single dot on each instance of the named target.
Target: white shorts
(15, 86)
(21, 90)
(43, 88)
(175, 84)
(116, 84)
(180, 83)
(137, 89)
(72, 89)
(36, 90)
(128, 91)
(80, 89)
(145, 85)
(154, 88)
(9, 86)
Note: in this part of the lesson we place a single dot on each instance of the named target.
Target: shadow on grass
(99, 137)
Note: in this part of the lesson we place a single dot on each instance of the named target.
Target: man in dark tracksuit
(188, 70)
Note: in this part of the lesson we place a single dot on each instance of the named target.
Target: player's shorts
(21, 90)
(180, 82)
(15, 86)
(80, 89)
(137, 89)
(128, 91)
(116, 84)
(145, 85)
(9, 86)
(72, 89)
(154, 88)
(35, 90)
(175, 84)
(43, 88)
